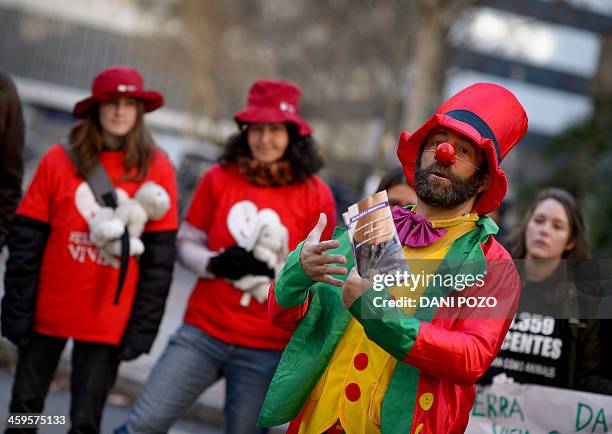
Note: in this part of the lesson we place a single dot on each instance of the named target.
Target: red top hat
(116, 82)
(273, 101)
(487, 114)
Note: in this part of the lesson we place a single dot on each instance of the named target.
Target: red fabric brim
(251, 115)
(410, 145)
(151, 100)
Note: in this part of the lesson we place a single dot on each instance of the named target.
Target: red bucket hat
(116, 82)
(273, 101)
(491, 117)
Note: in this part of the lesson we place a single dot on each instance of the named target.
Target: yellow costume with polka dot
(353, 386)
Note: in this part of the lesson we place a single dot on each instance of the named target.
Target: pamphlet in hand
(376, 245)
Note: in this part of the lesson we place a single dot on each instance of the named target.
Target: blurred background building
(369, 69)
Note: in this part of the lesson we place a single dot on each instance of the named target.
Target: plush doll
(268, 242)
(151, 202)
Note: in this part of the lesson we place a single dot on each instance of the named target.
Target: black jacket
(26, 242)
(155, 276)
(11, 148)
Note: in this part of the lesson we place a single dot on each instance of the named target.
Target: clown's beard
(440, 195)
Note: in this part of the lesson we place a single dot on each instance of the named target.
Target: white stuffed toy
(151, 202)
(268, 242)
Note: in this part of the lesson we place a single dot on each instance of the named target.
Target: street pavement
(58, 401)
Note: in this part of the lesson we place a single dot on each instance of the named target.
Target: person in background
(247, 212)
(58, 285)
(547, 343)
(398, 190)
(11, 149)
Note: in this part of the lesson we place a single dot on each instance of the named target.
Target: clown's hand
(315, 261)
(354, 287)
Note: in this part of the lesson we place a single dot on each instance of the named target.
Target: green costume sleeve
(393, 330)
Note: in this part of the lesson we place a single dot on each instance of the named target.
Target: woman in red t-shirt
(246, 214)
(62, 282)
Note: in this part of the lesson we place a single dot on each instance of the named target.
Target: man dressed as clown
(356, 367)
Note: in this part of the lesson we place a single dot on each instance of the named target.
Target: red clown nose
(445, 154)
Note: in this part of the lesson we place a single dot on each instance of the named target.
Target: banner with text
(532, 409)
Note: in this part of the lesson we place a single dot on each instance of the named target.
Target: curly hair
(301, 152)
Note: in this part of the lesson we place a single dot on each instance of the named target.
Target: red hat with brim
(118, 82)
(273, 101)
(491, 117)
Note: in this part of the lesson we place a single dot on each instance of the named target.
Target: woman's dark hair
(86, 139)
(392, 178)
(580, 249)
(301, 152)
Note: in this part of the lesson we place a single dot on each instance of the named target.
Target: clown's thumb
(315, 234)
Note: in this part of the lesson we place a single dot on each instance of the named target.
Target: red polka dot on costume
(360, 361)
(352, 392)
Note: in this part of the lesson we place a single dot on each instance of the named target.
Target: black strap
(105, 194)
(123, 268)
(98, 180)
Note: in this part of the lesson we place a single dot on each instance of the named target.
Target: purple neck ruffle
(414, 230)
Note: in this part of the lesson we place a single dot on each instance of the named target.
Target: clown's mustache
(436, 168)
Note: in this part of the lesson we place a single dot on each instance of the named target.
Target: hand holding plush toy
(151, 202)
(268, 243)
